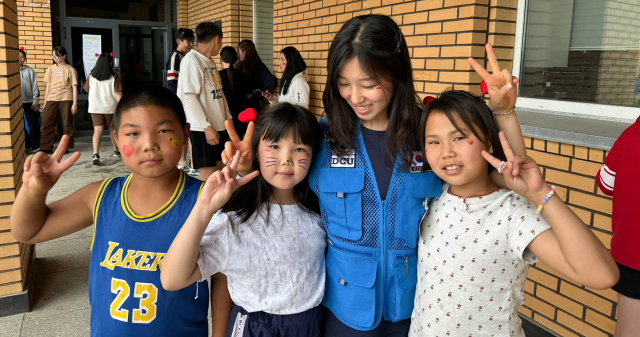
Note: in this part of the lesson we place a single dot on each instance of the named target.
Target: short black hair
(149, 95)
(24, 53)
(184, 34)
(59, 51)
(206, 31)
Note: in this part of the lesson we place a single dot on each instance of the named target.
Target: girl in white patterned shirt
(267, 237)
(477, 240)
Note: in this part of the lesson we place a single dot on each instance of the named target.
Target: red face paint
(378, 88)
(127, 150)
(267, 150)
(470, 142)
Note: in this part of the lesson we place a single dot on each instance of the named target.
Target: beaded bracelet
(546, 199)
(505, 113)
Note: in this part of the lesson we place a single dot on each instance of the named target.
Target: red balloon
(97, 55)
(428, 99)
(248, 115)
(483, 87)
(111, 54)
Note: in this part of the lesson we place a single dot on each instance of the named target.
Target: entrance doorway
(141, 44)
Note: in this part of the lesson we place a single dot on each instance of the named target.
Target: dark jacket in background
(237, 97)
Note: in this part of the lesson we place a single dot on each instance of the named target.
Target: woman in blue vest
(368, 176)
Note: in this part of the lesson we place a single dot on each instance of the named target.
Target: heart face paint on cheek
(127, 150)
(470, 142)
(175, 142)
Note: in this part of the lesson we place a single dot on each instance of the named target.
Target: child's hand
(501, 85)
(221, 184)
(521, 173)
(41, 172)
(235, 144)
(267, 95)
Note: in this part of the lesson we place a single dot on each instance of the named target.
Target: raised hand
(41, 172)
(521, 173)
(221, 184)
(500, 84)
(235, 144)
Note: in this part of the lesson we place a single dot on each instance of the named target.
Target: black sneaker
(96, 159)
(116, 154)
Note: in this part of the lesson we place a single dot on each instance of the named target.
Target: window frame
(586, 110)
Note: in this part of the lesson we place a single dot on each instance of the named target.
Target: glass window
(141, 10)
(582, 51)
(263, 31)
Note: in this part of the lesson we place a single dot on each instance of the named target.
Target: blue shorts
(262, 324)
(333, 327)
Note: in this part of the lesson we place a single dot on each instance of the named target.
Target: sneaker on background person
(96, 159)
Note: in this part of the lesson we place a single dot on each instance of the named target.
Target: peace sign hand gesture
(235, 144)
(521, 173)
(500, 84)
(221, 184)
(41, 172)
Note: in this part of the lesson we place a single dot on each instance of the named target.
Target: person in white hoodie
(294, 88)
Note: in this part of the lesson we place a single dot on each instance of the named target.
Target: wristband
(546, 199)
(504, 113)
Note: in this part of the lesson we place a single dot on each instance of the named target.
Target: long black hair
(276, 123)
(381, 50)
(295, 65)
(251, 57)
(473, 112)
(103, 70)
(228, 55)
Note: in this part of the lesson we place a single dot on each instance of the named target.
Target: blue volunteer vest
(126, 296)
(372, 251)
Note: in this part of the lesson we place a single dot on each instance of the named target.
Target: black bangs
(283, 119)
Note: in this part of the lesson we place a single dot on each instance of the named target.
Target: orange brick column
(34, 27)
(14, 257)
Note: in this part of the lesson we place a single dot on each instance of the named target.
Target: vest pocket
(350, 286)
(405, 271)
(341, 198)
(416, 189)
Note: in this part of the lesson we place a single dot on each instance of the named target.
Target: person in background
(30, 102)
(236, 88)
(619, 171)
(293, 84)
(200, 89)
(105, 90)
(251, 65)
(184, 39)
(60, 98)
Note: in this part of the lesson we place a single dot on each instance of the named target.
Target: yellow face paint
(175, 142)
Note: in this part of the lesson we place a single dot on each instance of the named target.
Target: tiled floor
(60, 305)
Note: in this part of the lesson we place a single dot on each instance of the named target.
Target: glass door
(142, 50)
(85, 42)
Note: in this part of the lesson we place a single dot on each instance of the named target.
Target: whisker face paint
(127, 150)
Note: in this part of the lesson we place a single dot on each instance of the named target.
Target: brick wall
(34, 27)
(565, 307)
(236, 17)
(14, 257)
(441, 35)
